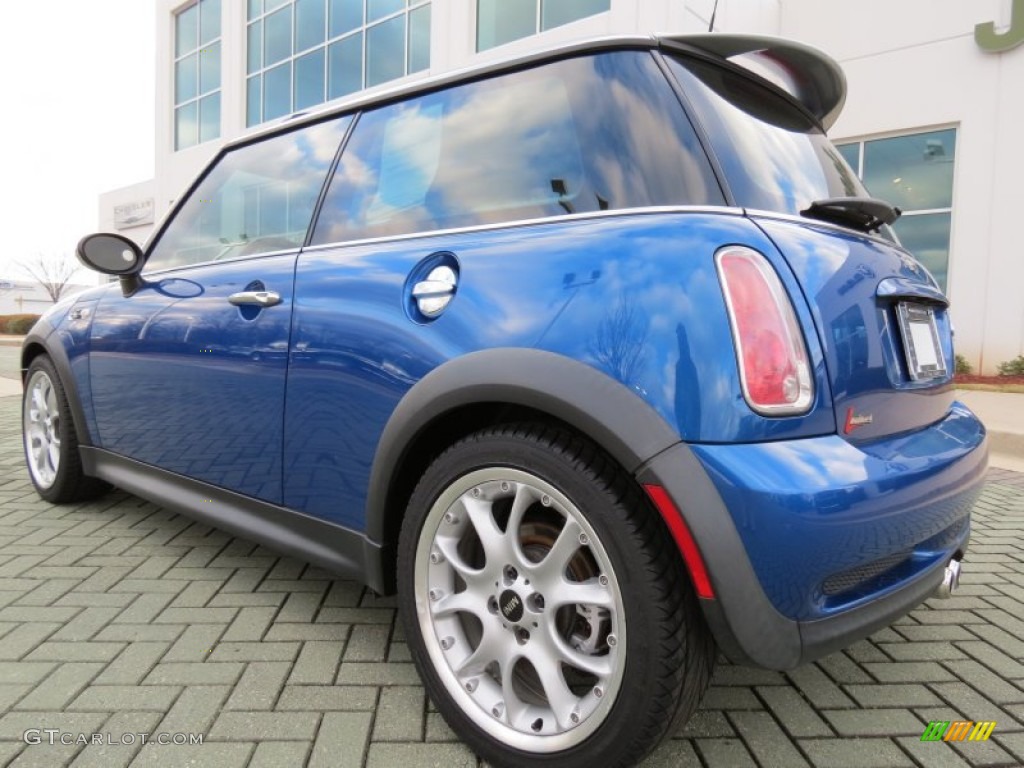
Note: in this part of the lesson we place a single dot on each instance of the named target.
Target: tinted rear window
(586, 134)
(774, 157)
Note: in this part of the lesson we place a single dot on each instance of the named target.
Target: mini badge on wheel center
(511, 605)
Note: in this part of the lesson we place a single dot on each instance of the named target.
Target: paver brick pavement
(119, 617)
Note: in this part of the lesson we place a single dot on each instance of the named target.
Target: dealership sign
(988, 39)
(133, 214)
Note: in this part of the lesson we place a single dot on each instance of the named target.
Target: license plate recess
(921, 341)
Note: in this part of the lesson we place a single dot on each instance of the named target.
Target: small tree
(53, 273)
(619, 343)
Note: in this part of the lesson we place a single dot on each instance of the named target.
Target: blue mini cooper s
(602, 359)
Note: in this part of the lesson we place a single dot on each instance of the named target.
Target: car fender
(589, 401)
(44, 335)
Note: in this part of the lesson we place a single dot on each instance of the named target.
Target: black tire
(669, 653)
(67, 483)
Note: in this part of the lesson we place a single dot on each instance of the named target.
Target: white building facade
(933, 112)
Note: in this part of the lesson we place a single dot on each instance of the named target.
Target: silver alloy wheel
(520, 609)
(41, 428)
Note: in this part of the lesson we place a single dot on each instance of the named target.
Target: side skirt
(343, 551)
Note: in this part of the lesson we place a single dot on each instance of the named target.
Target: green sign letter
(987, 39)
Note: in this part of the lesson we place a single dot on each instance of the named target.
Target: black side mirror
(112, 255)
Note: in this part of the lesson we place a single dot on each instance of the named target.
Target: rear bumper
(813, 544)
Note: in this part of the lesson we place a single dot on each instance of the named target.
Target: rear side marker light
(684, 540)
(770, 351)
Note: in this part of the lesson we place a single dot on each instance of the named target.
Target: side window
(256, 199)
(585, 134)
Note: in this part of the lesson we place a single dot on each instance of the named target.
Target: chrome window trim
(519, 223)
(511, 224)
(233, 260)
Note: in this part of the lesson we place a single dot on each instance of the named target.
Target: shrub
(17, 324)
(962, 366)
(1013, 367)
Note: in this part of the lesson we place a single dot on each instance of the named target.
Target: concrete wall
(912, 65)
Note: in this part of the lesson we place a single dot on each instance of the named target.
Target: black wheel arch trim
(746, 625)
(583, 397)
(43, 335)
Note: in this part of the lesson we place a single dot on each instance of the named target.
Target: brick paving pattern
(119, 617)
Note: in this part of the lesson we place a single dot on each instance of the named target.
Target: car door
(188, 372)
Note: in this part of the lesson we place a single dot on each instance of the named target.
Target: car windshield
(775, 158)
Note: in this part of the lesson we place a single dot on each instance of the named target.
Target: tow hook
(950, 580)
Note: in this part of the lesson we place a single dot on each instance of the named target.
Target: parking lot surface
(118, 618)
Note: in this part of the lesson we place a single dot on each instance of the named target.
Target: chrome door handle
(432, 288)
(435, 293)
(255, 298)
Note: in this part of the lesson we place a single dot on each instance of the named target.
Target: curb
(1011, 443)
(10, 387)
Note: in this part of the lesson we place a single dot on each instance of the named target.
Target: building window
(502, 21)
(197, 74)
(915, 172)
(304, 52)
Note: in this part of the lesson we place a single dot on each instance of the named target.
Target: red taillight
(773, 365)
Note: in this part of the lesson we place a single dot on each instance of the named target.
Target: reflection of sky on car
(221, 218)
(778, 164)
(774, 158)
(433, 162)
(595, 271)
(356, 348)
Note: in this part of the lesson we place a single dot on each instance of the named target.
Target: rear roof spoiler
(811, 77)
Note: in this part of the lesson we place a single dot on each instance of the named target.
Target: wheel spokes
(41, 428)
(522, 501)
(551, 569)
(448, 548)
(515, 708)
(487, 651)
(590, 592)
(492, 539)
(51, 399)
(39, 401)
(461, 602)
(598, 666)
(510, 551)
(562, 701)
